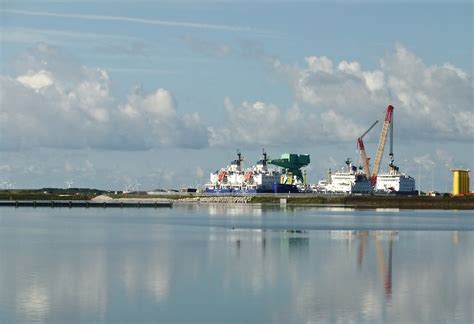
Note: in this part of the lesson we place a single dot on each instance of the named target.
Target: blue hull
(284, 188)
(231, 191)
(398, 193)
(218, 190)
(276, 188)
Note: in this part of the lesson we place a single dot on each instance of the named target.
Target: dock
(85, 204)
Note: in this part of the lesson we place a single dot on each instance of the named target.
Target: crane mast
(363, 154)
(383, 137)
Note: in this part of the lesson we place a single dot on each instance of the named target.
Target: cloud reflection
(133, 269)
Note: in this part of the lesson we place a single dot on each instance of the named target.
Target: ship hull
(397, 193)
(231, 191)
(284, 188)
(276, 188)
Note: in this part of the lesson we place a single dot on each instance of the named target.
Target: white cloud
(36, 80)
(154, 117)
(336, 102)
(261, 123)
(431, 101)
(319, 64)
(56, 102)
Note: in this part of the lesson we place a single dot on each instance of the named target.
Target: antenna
(239, 155)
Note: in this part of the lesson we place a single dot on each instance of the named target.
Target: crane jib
(382, 140)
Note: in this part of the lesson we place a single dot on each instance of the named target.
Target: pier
(85, 204)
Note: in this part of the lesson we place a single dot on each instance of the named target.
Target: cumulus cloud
(337, 101)
(261, 123)
(431, 101)
(54, 101)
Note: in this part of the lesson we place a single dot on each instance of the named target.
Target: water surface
(235, 263)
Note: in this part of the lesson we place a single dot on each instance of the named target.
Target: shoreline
(308, 200)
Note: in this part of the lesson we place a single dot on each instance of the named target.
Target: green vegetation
(407, 202)
(50, 194)
(369, 201)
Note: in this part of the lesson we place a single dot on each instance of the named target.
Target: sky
(158, 94)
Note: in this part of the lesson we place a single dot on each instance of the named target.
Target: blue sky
(163, 92)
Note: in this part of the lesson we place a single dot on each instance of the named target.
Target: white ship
(258, 178)
(229, 179)
(395, 182)
(349, 181)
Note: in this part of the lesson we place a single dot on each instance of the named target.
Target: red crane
(363, 156)
(383, 137)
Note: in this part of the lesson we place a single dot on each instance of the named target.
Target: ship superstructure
(349, 180)
(229, 179)
(260, 178)
(395, 182)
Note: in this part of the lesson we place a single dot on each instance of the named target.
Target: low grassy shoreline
(410, 202)
(369, 201)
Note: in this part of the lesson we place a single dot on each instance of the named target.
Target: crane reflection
(384, 267)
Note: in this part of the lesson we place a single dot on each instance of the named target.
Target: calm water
(217, 263)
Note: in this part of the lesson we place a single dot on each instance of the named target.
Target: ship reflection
(292, 243)
(384, 267)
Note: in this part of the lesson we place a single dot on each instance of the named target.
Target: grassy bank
(414, 202)
(45, 194)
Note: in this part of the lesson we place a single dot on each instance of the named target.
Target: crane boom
(391, 142)
(370, 128)
(382, 140)
(361, 147)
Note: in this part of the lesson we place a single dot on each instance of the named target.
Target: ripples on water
(240, 263)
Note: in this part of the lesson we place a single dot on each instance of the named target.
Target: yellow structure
(460, 182)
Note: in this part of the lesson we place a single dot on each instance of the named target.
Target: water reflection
(33, 302)
(384, 267)
(234, 209)
(128, 268)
